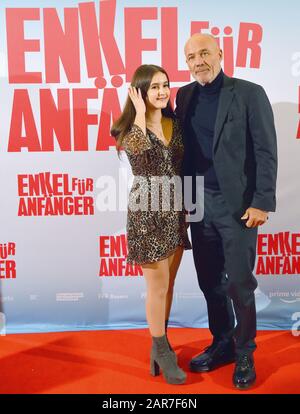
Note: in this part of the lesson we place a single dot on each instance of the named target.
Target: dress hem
(133, 262)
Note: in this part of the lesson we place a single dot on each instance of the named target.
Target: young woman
(151, 137)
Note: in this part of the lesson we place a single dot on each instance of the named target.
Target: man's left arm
(262, 130)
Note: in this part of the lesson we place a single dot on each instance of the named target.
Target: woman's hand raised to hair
(137, 100)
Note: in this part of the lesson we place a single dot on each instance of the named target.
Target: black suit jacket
(244, 146)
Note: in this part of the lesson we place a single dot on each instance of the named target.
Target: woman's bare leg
(173, 263)
(157, 280)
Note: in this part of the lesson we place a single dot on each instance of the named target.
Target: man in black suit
(230, 139)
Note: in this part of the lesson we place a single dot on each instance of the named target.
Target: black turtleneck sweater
(202, 119)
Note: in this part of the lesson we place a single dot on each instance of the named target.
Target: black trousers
(224, 251)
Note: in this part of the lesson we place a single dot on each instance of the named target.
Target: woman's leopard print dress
(155, 220)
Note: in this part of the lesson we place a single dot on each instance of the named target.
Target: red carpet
(117, 362)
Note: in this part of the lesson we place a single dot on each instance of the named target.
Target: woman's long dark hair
(141, 79)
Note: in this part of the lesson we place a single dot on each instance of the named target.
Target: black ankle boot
(244, 374)
(162, 357)
(219, 353)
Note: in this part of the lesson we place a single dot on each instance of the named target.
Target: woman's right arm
(136, 142)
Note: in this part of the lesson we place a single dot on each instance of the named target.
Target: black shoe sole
(244, 387)
(208, 369)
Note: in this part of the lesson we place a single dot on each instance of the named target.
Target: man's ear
(221, 54)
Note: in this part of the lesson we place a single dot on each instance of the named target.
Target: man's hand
(255, 217)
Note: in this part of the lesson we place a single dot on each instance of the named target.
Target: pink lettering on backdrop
(80, 45)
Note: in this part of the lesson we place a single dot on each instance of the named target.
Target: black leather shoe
(244, 374)
(217, 354)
